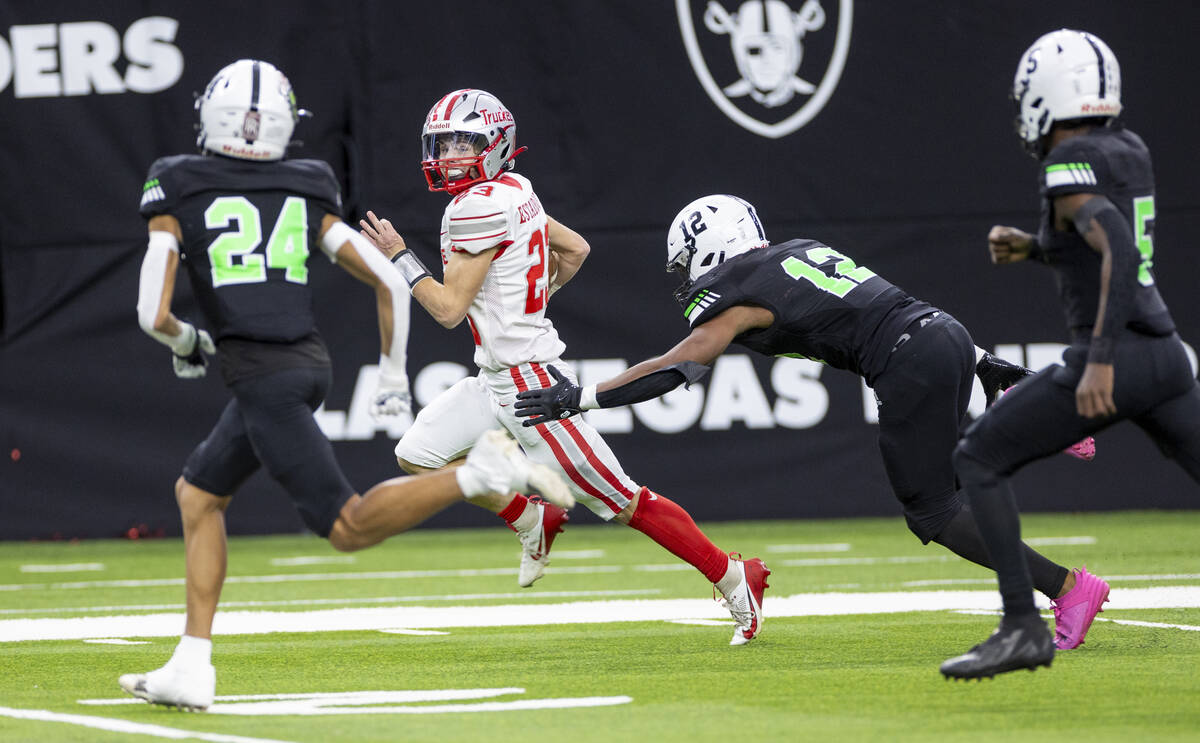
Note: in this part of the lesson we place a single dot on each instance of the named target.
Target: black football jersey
(1113, 162)
(249, 232)
(826, 307)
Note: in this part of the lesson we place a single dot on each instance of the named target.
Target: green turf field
(613, 644)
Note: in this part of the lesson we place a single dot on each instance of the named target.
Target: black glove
(550, 403)
(997, 375)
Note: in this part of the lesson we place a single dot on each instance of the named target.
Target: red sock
(666, 523)
(513, 510)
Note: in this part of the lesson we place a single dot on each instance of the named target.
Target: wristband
(1100, 351)
(587, 398)
(411, 267)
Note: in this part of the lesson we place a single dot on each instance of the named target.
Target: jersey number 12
(845, 277)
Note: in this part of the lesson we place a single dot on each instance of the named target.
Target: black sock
(961, 536)
(995, 509)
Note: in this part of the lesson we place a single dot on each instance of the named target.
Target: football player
(804, 298)
(503, 257)
(1125, 360)
(245, 222)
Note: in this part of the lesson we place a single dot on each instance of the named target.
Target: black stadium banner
(883, 129)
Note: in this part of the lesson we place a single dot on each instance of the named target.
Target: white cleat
(536, 541)
(499, 464)
(190, 690)
(745, 602)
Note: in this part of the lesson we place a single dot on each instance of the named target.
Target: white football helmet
(248, 111)
(708, 232)
(1065, 75)
(467, 121)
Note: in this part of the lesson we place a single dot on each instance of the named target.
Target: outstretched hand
(552, 403)
(382, 234)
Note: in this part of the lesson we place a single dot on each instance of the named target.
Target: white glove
(186, 357)
(392, 397)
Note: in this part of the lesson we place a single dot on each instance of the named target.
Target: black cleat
(1008, 649)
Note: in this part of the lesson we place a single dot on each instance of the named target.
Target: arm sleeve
(341, 233)
(1122, 279)
(652, 385)
(151, 284)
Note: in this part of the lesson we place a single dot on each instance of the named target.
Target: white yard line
(1058, 541)
(576, 612)
(78, 567)
(346, 601)
(124, 726)
(1157, 625)
(287, 562)
(304, 578)
(811, 562)
(835, 547)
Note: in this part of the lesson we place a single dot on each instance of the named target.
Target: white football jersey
(508, 315)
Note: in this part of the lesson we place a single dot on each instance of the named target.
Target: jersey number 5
(1143, 219)
(232, 255)
(845, 277)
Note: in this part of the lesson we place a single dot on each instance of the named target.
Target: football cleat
(1085, 450)
(1010, 648)
(498, 466)
(1074, 611)
(189, 689)
(745, 601)
(537, 541)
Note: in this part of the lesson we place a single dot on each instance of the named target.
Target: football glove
(392, 398)
(187, 355)
(550, 403)
(997, 375)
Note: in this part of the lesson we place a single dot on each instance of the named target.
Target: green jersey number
(1143, 216)
(232, 255)
(846, 275)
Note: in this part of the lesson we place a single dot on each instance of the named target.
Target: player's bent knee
(347, 535)
(195, 503)
(345, 538)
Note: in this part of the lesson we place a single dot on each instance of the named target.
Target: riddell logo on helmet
(247, 153)
(768, 84)
(1099, 108)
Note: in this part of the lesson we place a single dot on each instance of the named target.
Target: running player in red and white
(503, 258)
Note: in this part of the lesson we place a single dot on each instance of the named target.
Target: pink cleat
(1085, 449)
(1074, 611)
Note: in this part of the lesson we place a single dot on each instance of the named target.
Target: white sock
(528, 518)
(732, 579)
(191, 652)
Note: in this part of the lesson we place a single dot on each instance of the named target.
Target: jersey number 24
(232, 255)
